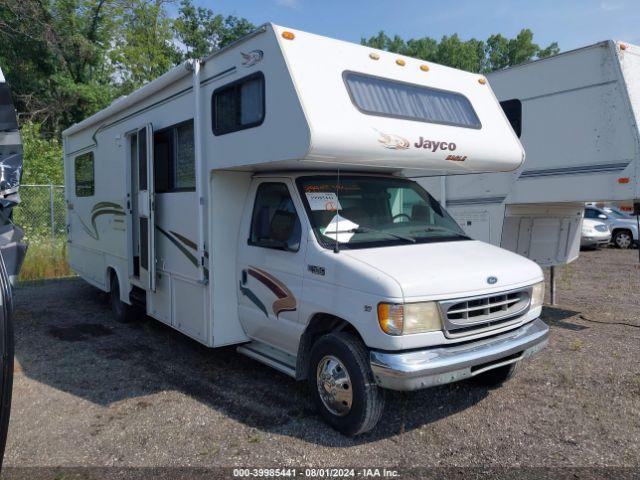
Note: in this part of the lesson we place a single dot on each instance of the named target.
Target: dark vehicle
(12, 248)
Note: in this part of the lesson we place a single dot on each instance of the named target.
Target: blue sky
(571, 23)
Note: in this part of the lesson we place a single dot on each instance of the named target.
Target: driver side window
(275, 223)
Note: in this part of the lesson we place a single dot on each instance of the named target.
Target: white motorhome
(254, 198)
(577, 115)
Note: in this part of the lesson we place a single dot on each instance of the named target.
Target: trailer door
(146, 207)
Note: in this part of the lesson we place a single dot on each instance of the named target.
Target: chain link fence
(41, 212)
(42, 215)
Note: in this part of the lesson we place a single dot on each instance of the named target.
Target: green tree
(201, 31)
(474, 55)
(144, 48)
(52, 54)
(42, 161)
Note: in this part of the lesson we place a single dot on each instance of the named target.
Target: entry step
(281, 361)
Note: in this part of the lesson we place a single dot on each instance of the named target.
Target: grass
(45, 259)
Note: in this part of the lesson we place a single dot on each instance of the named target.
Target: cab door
(146, 208)
(271, 261)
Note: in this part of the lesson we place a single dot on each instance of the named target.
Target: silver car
(595, 234)
(624, 228)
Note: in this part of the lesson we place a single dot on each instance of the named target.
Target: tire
(343, 361)
(496, 377)
(623, 239)
(122, 312)
(6, 354)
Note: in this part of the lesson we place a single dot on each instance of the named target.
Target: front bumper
(436, 366)
(589, 241)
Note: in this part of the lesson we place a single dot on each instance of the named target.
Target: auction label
(323, 201)
(315, 473)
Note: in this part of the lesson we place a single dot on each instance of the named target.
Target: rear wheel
(122, 312)
(342, 384)
(622, 239)
(496, 377)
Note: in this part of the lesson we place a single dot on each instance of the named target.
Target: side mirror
(636, 208)
(602, 216)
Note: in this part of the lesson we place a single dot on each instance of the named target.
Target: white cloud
(288, 3)
(610, 6)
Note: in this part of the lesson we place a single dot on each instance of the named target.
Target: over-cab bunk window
(238, 105)
(174, 158)
(391, 98)
(84, 174)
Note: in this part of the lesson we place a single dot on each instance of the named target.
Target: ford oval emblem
(492, 280)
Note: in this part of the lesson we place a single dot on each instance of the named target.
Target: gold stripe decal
(286, 301)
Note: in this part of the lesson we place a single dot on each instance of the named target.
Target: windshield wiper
(439, 229)
(362, 229)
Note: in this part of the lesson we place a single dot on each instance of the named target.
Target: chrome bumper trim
(436, 366)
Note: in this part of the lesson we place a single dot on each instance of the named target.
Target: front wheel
(342, 384)
(623, 239)
(121, 311)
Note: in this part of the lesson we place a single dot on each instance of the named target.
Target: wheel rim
(334, 386)
(623, 240)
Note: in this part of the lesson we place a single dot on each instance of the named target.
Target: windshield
(365, 212)
(616, 213)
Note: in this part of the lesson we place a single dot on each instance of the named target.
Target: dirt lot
(89, 391)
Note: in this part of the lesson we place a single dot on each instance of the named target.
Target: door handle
(244, 277)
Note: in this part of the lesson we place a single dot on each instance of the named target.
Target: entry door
(146, 208)
(271, 266)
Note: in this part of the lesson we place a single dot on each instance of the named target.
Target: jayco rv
(577, 115)
(255, 198)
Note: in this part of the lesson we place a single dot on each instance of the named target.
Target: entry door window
(275, 223)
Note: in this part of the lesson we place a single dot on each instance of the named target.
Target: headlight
(537, 295)
(409, 318)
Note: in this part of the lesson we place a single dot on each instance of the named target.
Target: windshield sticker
(339, 228)
(323, 201)
(327, 188)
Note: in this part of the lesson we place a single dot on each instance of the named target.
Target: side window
(174, 158)
(513, 110)
(275, 223)
(238, 105)
(84, 175)
(590, 213)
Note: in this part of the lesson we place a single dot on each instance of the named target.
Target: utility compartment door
(547, 234)
(146, 208)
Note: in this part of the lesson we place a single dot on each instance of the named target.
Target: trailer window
(174, 158)
(238, 105)
(391, 98)
(513, 110)
(275, 223)
(84, 175)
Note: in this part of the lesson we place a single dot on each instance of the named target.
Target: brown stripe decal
(286, 301)
(185, 240)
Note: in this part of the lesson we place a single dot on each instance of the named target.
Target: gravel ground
(91, 392)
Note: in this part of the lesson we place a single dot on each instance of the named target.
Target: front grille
(601, 228)
(467, 316)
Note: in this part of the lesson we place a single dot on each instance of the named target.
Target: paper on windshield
(339, 228)
(323, 201)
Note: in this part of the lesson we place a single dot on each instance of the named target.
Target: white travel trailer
(255, 198)
(577, 115)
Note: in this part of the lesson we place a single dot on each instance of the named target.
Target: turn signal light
(374, 56)
(623, 46)
(623, 180)
(288, 35)
(424, 68)
(400, 62)
(482, 81)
